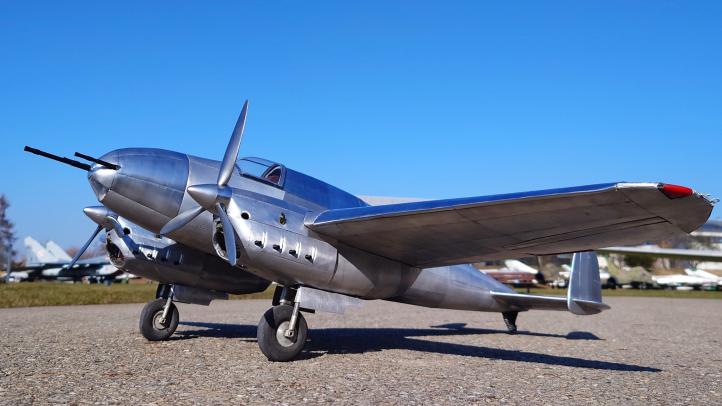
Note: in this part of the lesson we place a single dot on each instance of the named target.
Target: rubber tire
(267, 341)
(149, 313)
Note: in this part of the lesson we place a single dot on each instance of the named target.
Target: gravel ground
(643, 350)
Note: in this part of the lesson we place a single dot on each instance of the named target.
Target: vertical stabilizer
(57, 252)
(584, 295)
(36, 253)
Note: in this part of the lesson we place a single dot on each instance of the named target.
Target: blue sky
(436, 100)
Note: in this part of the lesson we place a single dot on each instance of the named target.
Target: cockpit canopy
(263, 170)
(300, 188)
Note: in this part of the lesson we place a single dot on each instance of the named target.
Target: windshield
(261, 169)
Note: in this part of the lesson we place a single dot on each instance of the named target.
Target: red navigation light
(675, 191)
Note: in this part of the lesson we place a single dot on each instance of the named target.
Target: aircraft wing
(657, 252)
(39, 267)
(466, 230)
(83, 263)
(99, 260)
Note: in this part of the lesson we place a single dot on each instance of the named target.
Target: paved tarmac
(643, 350)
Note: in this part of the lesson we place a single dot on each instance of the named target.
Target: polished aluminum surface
(448, 232)
(323, 301)
(191, 295)
(228, 165)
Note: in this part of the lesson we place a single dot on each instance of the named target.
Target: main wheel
(274, 344)
(150, 320)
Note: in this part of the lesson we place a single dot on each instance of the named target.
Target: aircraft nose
(101, 180)
(148, 184)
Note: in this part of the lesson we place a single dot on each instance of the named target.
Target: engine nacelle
(161, 259)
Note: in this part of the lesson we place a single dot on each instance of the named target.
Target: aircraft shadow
(361, 340)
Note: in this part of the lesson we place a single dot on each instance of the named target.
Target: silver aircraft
(204, 229)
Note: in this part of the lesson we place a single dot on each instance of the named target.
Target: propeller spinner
(216, 198)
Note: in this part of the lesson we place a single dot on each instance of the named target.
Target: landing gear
(163, 291)
(510, 321)
(159, 319)
(282, 332)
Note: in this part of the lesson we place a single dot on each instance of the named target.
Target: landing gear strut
(159, 318)
(282, 330)
(510, 321)
(163, 291)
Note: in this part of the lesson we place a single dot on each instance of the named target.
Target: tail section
(584, 295)
(36, 253)
(55, 250)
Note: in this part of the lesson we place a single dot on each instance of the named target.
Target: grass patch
(677, 294)
(59, 294)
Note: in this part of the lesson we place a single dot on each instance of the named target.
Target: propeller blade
(85, 247)
(181, 220)
(234, 145)
(229, 234)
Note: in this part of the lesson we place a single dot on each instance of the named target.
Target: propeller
(100, 215)
(215, 198)
(81, 251)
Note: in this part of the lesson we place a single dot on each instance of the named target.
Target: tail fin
(55, 250)
(584, 295)
(37, 254)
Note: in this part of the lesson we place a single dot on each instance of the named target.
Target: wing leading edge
(457, 231)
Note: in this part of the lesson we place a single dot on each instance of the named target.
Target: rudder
(584, 295)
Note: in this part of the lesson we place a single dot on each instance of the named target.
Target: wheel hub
(158, 322)
(281, 336)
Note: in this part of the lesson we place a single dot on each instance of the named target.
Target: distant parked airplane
(691, 278)
(657, 252)
(51, 262)
(514, 272)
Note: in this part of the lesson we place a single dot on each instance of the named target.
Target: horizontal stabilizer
(520, 301)
(590, 307)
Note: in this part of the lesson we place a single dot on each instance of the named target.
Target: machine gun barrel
(62, 159)
(97, 161)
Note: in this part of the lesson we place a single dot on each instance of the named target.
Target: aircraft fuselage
(150, 188)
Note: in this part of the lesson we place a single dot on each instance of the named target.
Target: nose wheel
(159, 319)
(282, 333)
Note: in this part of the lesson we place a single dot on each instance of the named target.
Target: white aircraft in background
(692, 278)
(51, 262)
(514, 272)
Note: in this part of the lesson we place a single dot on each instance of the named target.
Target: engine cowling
(165, 261)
